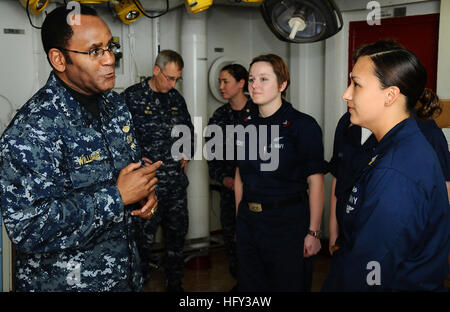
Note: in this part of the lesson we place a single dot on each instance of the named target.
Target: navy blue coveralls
(350, 157)
(396, 217)
(270, 243)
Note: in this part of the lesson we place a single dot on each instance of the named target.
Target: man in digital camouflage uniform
(156, 107)
(70, 168)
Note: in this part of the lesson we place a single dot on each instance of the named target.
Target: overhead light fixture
(196, 6)
(128, 10)
(302, 21)
(36, 6)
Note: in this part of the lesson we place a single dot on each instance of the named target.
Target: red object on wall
(420, 34)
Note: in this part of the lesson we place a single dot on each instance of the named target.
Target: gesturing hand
(135, 183)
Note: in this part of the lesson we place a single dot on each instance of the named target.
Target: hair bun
(429, 105)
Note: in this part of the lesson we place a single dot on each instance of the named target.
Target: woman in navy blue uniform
(352, 150)
(233, 85)
(395, 233)
(279, 190)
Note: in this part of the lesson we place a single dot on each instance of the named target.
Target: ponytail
(428, 105)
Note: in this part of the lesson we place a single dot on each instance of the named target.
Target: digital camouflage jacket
(59, 200)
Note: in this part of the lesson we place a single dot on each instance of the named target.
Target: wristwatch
(315, 234)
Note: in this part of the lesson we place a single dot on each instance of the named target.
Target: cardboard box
(443, 120)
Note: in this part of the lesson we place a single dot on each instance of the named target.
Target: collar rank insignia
(373, 160)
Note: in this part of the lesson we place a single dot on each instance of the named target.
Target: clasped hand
(138, 184)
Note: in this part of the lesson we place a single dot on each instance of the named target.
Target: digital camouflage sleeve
(61, 207)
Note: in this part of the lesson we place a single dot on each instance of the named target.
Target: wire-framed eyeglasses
(97, 53)
(171, 79)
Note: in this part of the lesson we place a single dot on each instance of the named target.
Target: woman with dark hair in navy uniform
(279, 186)
(352, 150)
(233, 83)
(395, 233)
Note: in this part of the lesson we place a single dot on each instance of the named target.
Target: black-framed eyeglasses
(97, 53)
(171, 79)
